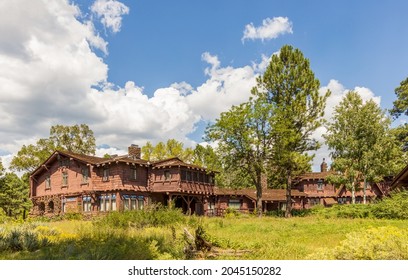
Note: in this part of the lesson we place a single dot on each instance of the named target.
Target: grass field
(241, 237)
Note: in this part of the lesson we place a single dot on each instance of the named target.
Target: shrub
(393, 207)
(22, 238)
(384, 243)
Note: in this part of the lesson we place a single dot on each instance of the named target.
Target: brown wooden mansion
(69, 182)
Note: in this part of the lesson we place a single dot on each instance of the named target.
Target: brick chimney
(134, 151)
(323, 166)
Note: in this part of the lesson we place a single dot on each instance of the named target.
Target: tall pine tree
(292, 91)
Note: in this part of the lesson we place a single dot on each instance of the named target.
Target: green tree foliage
(244, 142)
(14, 195)
(172, 148)
(77, 138)
(1, 169)
(363, 147)
(401, 104)
(291, 90)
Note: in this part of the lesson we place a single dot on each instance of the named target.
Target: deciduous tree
(362, 146)
(401, 104)
(244, 142)
(76, 138)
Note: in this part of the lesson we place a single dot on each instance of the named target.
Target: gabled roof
(400, 178)
(92, 160)
(175, 161)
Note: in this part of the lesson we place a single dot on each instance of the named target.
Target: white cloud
(225, 87)
(47, 65)
(270, 29)
(110, 13)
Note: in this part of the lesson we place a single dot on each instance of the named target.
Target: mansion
(69, 182)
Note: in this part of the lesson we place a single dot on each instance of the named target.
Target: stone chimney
(323, 166)
(134, 151)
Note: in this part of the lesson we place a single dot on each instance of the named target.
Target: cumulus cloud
(46, 66)
(110, 13)
(270, 29)
(51, 75)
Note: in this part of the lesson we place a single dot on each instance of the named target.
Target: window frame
(48, 182)
(64, 182)
(105, 174)
(85, 175)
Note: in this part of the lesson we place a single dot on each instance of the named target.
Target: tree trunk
(259, 202)
(288, 212)
(364, 190)
(353, 194)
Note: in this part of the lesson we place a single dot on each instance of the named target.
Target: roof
(87, 159)
(400, 178)
(315, 175)
(267, 195)
(175, 161)
(329, 201)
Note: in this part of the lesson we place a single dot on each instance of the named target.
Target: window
(314, 201)
(210, 179)
(167, 175)
(133, 173)
(188, 175)
(133, 202)
(85, 175)
(107, 202)
(86, 203)
(105, 175)
(234, 204)
(48, 182)
(65, 179)
(320, 185)
(342, 200)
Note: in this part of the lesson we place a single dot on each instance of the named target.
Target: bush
(384, 243)
(393, 207)
(22, 238)
(349, 211)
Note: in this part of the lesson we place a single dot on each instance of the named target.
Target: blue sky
(359, 43)
(138, 71)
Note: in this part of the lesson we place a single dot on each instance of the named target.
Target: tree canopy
(361, 143)
(172, 148)
(271, 133)
(292, 92)
(401, 104)
(77, 138)
(14, 195)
